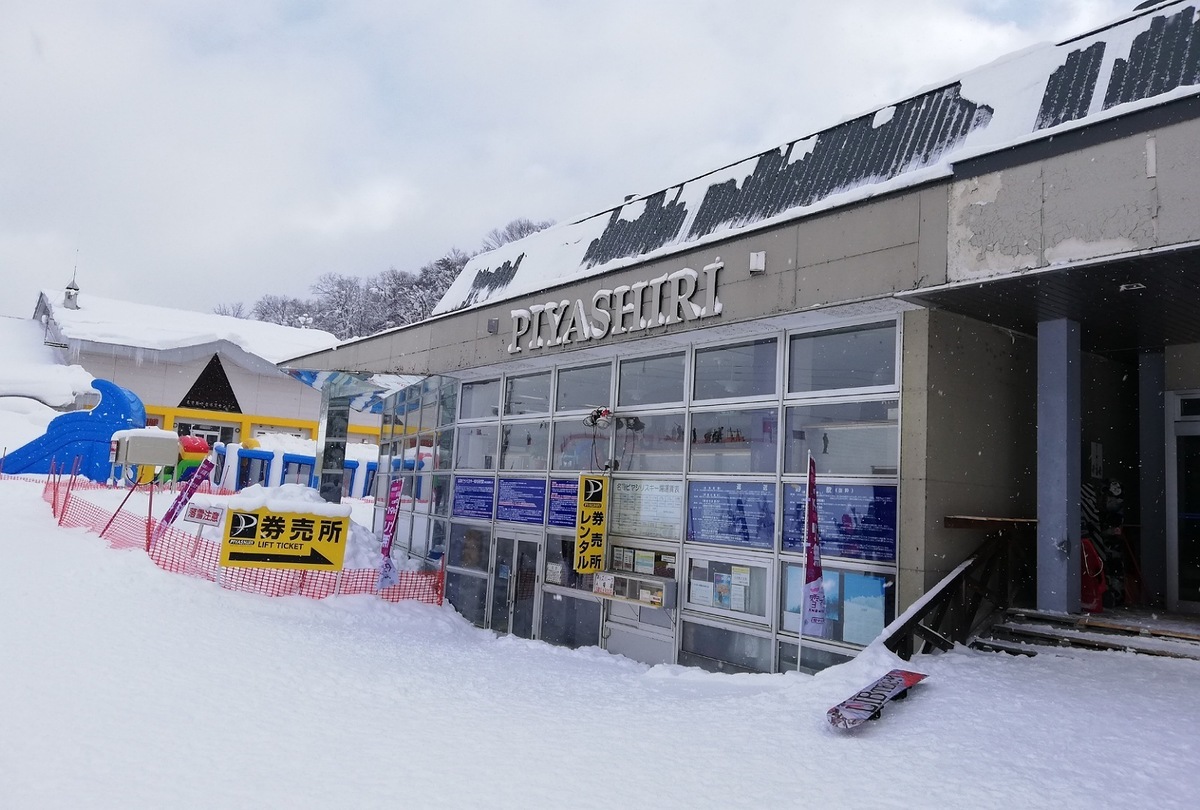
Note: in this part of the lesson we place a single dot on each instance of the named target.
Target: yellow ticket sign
(592, 524)
(260, 538)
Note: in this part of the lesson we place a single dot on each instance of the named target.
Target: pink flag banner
(814, 592)
(387, 569)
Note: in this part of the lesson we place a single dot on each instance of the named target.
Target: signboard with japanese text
(521, 500)
(592, 524)
(855, 521)
(731, 513)
(564, 503)
(647, 508)
(208, 515)
(474, 497)
(262, 538)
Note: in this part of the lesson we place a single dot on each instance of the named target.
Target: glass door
(1183, 533)
(514, 584)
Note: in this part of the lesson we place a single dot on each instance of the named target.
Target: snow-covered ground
(124, 686)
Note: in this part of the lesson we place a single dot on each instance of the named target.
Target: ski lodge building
(972, 304)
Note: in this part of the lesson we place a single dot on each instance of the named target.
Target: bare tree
(235, 310)
(517, 229)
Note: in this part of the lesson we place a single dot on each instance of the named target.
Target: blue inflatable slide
(81, 434)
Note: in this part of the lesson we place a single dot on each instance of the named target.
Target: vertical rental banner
(592, 526)
(814, 593)
(387, 569)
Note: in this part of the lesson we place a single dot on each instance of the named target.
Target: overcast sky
(190, 153)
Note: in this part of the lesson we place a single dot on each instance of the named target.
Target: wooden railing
(996, 577)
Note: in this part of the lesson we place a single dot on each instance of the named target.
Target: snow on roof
(105, 320)
(35, 370)
(1148, 58)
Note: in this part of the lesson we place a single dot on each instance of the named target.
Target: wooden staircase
(1022, 631)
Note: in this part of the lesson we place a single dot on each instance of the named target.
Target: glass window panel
(441, 494)
(560, 556)
(443, 449)
(422, 492)
(648, 380)
(858, 604)
(744, 370)
(437, 541)
(524, 446)
(480, 400)
(468, 595)
(737, 588)
(420, 536)
(449, 404)
(734, 441)
(529, 394)
(570, 622)
(719, 650)
(477, 447)
(649, 443)
(402, 531)
(845, 438)
(584, 388)
(469, 547)
(815, 658)
(847, 358)
(577, 447)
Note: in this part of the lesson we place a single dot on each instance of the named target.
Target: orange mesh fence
(185, 552)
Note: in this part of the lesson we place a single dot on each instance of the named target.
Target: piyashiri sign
(649, 304)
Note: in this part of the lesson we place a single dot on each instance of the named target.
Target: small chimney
(71, 297)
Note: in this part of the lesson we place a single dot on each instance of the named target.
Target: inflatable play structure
(83, 435)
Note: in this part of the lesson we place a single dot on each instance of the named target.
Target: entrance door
(1183, 532)
(514, 584)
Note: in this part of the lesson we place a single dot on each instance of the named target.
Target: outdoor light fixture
(1132, 287)
(599, 417)
(493, 326)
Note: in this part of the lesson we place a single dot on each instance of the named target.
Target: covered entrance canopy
(1131, 309)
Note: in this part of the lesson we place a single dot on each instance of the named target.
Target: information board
(473, 497)
(593, 524)
(856, 521)
(731, 513)
(646, 509)
(564, 503)
(521, 500)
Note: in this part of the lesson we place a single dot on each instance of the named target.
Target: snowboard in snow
(868, 703)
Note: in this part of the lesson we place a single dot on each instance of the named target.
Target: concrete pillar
(1058, 466)
(1152, 485)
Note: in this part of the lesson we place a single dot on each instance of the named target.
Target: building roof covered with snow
(143, 328)
(1150, 57)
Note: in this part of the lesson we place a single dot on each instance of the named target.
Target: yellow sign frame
(263, 538)
(591, 525)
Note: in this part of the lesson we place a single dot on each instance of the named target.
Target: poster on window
(473, 497)
(647, 508)
(521, 500)
(731, 513)
(564, 502)
(855, 521)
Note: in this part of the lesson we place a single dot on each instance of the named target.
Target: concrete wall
(1134, 193)
(872, 250)
(968, 438)
(1182, 367)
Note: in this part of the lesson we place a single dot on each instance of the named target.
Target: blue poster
(473, 497)
(732, 514)
(522, 500)
(856, 521)
(564, 503)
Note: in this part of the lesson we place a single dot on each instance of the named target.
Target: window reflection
(846, 358)
(848, 438)
(735, 441)
(649, 443)
(648, 380)
(745, 370)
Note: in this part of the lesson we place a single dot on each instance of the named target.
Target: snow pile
(125, 686)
